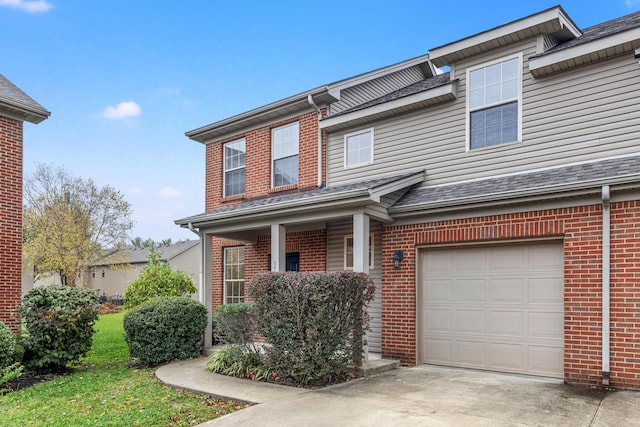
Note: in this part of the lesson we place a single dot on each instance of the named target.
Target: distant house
(111, 276)
(491, 188)
(16, 107)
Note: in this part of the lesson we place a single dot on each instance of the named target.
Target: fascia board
(573, 189)
(440, 91)
(553, 17)
(29, 114)
(538, 65)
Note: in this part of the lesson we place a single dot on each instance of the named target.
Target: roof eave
(596, 50)
(551, 21)
(25, 112)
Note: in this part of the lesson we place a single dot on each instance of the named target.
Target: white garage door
(494, 307)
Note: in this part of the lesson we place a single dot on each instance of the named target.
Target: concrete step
(375, 366)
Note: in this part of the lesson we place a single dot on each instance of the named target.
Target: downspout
(312, 103)
(606, 284)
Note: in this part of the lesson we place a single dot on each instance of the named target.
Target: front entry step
(375, 366)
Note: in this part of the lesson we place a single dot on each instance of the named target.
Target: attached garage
(494, 307)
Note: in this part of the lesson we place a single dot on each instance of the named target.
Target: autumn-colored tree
(69, 222)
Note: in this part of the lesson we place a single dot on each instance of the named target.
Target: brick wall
(310, 244)
(581, 230)
(10, 220)
(258, 162)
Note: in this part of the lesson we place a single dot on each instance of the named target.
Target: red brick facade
(10, 220)
(581, 231)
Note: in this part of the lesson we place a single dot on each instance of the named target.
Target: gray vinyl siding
(584, 114)
(335, 262)
(376, 88)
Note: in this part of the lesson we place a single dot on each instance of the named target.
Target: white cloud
(31, 6)
(631, 3)
(122, 110)
(135, 191)
(168, 193)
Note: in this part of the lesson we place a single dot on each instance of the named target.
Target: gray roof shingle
(14, 97)
(599, 31)
(139, 255)
(539, 182)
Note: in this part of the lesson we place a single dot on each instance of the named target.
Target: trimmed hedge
(59, 322)
(314, 323)
(234, 323)
(165, 329)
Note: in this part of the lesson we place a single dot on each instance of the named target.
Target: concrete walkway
(424, 395)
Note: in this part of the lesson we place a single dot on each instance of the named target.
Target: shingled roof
(542, 182)
(13, 99)
(599, 31)
(139, 255)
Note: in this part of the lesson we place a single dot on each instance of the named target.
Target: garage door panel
(469, 321)
(494, 307)
(469, 290)
(508, 290)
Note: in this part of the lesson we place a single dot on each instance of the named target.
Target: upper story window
(234, 167)
(494, 103)
(284, 152)
(358, 148)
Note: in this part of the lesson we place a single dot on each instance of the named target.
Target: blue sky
(125, 79)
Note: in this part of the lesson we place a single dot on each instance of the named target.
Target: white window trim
(224, 167)
(518, 99)
(224, 274)
(371, 251)
(347, 136)
(273, 159)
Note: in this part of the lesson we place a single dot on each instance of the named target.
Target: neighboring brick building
(496, 205)
(16, 107)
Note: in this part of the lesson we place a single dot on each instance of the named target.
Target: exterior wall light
(398, 256)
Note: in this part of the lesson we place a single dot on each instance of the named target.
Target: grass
(104, 391)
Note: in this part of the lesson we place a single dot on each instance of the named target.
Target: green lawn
(103, 391)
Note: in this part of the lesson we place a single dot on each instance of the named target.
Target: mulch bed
(29, 379)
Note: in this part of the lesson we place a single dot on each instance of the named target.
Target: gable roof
(139, 255)
(582, 178)
(17, 103)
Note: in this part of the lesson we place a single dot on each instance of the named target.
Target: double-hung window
(234, 274)
(234, 167)
(494, 103)
(358, 148)
(348, 252)
(284, 152)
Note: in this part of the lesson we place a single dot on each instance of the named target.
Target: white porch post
(205, 291)
(361, 252)
(361, 243)
(278, 247)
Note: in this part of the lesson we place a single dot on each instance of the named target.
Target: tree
(157, 279)
(69, 222)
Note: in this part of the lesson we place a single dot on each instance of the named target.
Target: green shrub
(10, 349)
(314, 323)
(234, 323)
(59, 325)
(9, 373)
(234, 360)
(157, 279)
(165, 329)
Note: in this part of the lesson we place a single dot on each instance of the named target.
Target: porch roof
(562, 181)
(305, 206)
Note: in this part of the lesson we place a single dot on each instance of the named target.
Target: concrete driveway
(423, 396)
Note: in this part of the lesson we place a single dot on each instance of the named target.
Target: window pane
(234, 182)
(233, 275)
(494, 125)
(285, 171)
(285, 141)
(234, 154)
(358, 149)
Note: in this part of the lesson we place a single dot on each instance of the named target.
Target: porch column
(278, 247)
(361, 243)
(205, 285)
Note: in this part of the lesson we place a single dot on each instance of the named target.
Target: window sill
(284, 188)
(233, 198)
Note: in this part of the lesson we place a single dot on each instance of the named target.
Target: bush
(10, 349)
(165, 329)
(10, 356)
(234, 323)
(314, 323)
(59, 322)
(157, 279)
(234, 360)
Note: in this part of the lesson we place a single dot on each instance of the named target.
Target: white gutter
(310, 100)
(606, 283)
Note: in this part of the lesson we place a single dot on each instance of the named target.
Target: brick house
(491, 189)
(16, 107)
